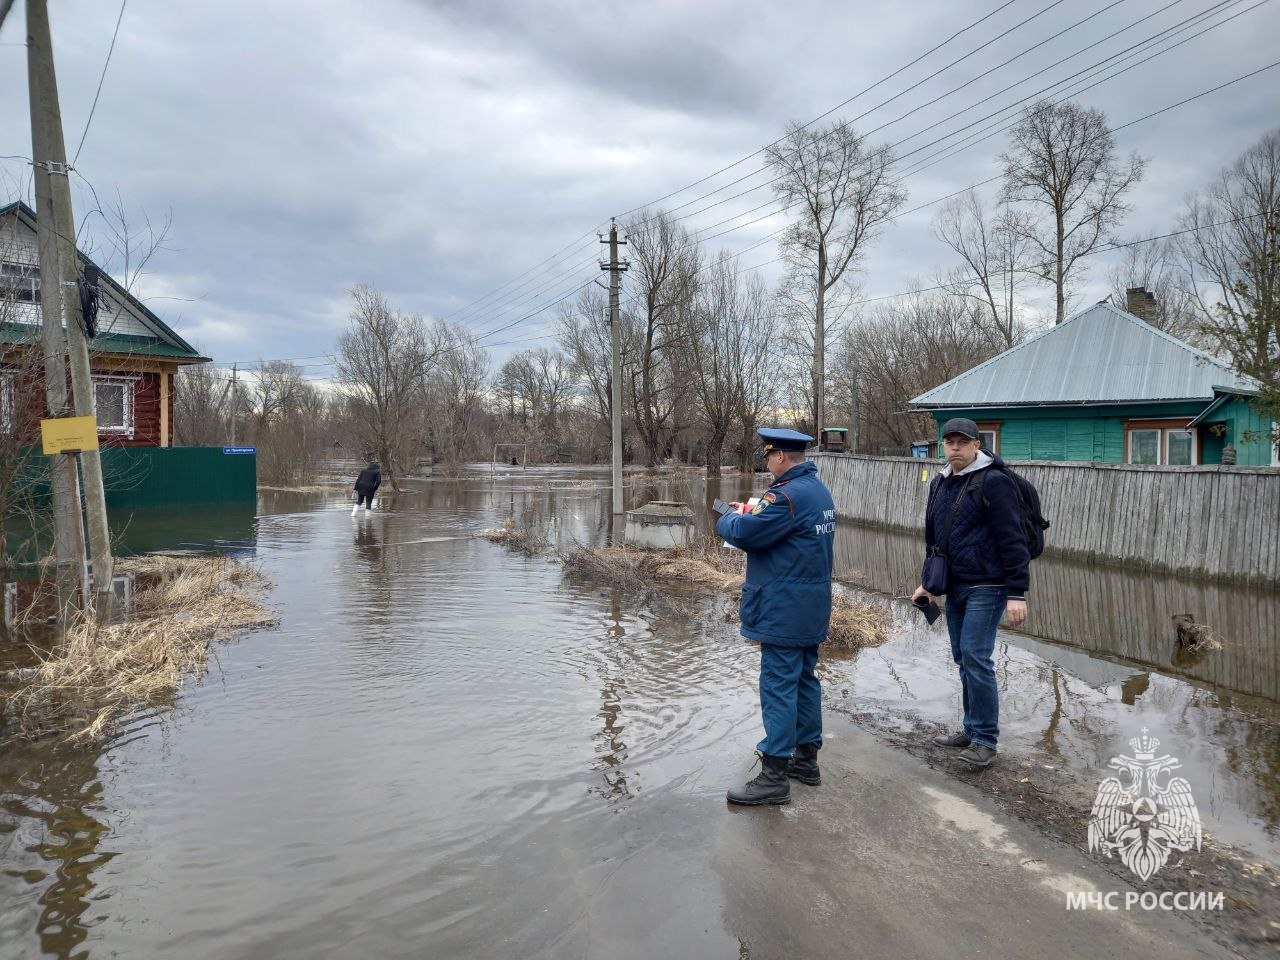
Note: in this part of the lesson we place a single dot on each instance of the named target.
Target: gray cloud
(437, 150)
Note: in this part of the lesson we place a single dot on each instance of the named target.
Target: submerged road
(450, 750)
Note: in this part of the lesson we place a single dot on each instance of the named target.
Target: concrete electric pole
(616, 268)
(60, 272)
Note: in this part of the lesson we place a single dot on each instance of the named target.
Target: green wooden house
(1106, 386)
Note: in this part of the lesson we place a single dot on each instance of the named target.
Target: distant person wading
(367, 485)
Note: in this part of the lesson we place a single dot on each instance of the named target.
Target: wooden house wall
(147, 421)
(1082, 434)
(18, 245)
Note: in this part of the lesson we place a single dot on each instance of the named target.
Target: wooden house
(133, 357)
(1105, 385)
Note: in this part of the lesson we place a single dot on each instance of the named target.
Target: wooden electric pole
(616, 268)
(60, 275)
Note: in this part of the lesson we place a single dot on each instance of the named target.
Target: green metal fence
(169, 476)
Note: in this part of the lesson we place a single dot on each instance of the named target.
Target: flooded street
(449, 749)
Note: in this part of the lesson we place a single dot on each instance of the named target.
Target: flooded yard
(453, 750)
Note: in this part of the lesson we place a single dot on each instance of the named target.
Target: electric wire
(110, 50)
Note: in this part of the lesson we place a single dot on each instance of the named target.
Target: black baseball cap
(962, 426)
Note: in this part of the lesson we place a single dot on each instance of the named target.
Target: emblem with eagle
(1138, 817)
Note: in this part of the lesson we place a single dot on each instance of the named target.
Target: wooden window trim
(993, 426)
(1164, 425)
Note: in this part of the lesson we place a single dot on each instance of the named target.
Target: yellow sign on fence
(69, 434)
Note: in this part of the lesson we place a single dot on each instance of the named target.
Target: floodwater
(449, 749)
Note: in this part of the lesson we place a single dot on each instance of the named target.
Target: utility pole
(235, 404)
(68, 536)
(53, 208)
(853, 408)
(616, 269)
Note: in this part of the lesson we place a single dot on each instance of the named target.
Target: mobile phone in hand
(720, 507)
(928, 607)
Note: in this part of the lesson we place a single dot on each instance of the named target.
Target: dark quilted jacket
(987, 543)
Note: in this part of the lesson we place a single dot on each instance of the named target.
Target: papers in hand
(742, 511)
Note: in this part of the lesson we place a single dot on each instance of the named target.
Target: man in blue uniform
(786, 607)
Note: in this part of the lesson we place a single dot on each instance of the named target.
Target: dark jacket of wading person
(367, 485)
(786, 607)
(974, 505)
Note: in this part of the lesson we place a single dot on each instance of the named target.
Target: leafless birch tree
(1062, 171)
(841, 189)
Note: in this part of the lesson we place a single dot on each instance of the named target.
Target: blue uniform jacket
(789, 541)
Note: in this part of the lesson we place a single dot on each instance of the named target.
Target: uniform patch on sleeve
(767, 500)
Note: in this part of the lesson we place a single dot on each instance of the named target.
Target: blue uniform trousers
(790, 699)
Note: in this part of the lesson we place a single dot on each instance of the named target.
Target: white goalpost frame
(524, 456)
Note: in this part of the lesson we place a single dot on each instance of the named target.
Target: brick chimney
(1141, 302)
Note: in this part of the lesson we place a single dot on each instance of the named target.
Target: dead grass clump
(709, 568)
(101, 672)
(856, 623)
(516, 536)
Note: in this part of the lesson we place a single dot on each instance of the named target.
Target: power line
(756, 153)
(1130, 123)
(98, 92)
(821, 116)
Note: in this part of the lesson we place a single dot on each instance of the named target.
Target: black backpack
(1033, 522)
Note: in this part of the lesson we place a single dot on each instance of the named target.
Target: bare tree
(203, 396)
(285, 420)
(1154, 265)
(843, 190)
(993, 260)
(1062, 168)
(1232, 257)
(725, 334)
(454, 393)
(384, 359)
(664, 270)
(905, 347)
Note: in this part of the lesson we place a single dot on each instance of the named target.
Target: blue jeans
(973, 613)
(790, 699)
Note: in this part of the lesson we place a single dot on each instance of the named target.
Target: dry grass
(100, 673)
(335, 486)
(516, 536)
(709, 568)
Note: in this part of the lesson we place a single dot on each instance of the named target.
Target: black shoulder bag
(933, 575)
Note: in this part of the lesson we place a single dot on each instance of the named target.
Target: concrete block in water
(660, 525)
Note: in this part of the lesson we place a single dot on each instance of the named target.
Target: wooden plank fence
(1218, 522)
(1107, 611)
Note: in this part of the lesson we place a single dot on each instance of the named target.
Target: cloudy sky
(439, 150)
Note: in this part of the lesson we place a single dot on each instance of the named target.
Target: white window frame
(17, 277)
(1128, 454)
(128, 385)
(1165, 436)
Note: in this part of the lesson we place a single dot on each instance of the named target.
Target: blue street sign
(230, 450)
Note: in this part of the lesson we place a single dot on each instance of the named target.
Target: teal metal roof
(1100, 355)
(1224, 396)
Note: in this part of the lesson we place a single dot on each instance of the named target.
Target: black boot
(804, 765)
(771, 786)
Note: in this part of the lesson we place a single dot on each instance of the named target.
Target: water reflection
(446, 742)
(53, 834)
(1110, 611)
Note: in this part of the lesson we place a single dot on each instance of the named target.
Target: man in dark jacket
(786, 607)
(367, 485)
(974, 505)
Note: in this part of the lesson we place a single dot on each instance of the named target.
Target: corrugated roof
(1100, 355)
